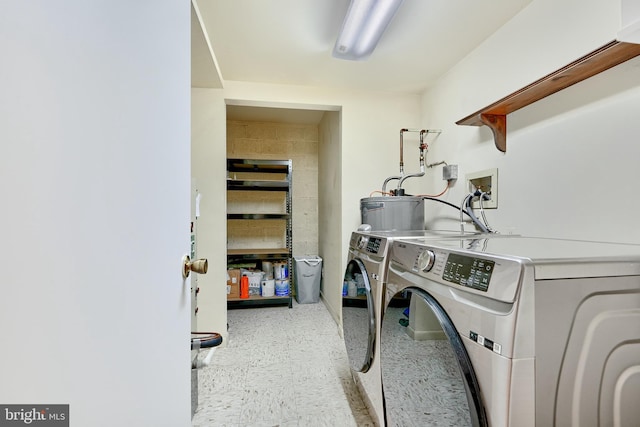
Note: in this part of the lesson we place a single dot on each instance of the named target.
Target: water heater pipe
(402, 177)
(399, 177)
(384, 185)
(423, 147)
(402, 151)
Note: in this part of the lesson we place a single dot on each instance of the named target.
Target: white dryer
(365, 277)
(537, 332)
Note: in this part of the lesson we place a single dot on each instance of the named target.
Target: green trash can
(307, 278)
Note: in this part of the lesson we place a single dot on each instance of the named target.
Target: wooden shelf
(281, 252)
(257, 185)
(262, 166)
(258, 298)
(248, 216)
(495, 115)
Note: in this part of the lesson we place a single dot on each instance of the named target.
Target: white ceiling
(290, 41)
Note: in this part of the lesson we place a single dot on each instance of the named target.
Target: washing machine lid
(554, 258)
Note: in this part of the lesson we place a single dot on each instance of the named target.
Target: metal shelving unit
(241, 176)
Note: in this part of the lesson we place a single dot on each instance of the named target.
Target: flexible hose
(466, 200)
(484, 218)
(465, 207)
(462, 205)
(462, 211)
(442, 201)
(468, 212)
(210, 339)
(437, 195)
(475, 220)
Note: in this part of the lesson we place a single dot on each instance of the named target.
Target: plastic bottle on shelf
(244, 287)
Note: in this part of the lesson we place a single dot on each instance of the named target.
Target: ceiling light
(363, 26)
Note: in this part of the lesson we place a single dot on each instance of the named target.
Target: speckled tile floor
(281, 367)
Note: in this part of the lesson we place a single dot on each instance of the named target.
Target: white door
(94, 209)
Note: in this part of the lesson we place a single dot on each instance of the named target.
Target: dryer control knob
(426, 260)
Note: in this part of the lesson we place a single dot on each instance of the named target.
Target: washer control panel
(369, 244)
(496, 277)
(468, 271)
(373, 246)
(362, 242)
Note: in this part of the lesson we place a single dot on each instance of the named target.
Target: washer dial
(362, 242)
(426, 260)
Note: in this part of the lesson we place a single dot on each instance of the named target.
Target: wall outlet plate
(487, 181)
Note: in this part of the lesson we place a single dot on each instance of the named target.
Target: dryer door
(358, 316)
(427, 376)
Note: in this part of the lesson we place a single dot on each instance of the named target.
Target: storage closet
(259, 232)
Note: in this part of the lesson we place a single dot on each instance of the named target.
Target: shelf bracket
(498, 125)
(495, 115)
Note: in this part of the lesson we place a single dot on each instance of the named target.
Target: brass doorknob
(198, 266)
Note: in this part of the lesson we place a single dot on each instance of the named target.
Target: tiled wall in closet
(265, 140)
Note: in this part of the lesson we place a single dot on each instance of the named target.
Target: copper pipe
(422, 169)
(402, 151)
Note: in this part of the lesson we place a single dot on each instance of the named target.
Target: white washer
(361, 312)
(543, 332)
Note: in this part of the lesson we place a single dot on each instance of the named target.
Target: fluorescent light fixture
(363, 26)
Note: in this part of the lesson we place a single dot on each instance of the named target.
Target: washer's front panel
(371, 252)
(358, 318)
(429, 380)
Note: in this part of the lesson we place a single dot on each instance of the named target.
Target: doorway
(311, 137)
(276, 134)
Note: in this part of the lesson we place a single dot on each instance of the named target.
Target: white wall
(94, 178)
(630, 13)
(571, 163)
(370, 129)
(330, 210)
(208, 168)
